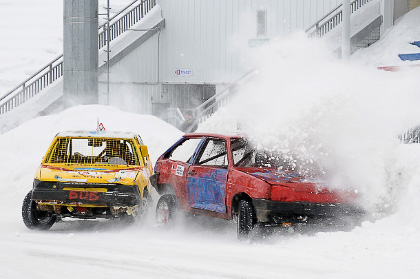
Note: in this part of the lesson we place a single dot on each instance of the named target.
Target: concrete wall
(134, 81)
(203, 46)
(134, 77)
(206, 44)
(132, 97)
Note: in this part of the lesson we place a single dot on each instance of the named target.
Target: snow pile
(396, 40)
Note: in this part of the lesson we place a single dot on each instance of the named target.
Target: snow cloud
(342, 115)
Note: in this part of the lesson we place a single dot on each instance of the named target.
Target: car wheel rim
(42, 217)
(163, 213)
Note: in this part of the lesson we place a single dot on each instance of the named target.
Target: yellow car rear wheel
(35, 219)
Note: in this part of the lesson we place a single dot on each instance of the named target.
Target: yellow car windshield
(93, 151)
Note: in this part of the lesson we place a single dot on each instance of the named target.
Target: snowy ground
(349, 109)
(198, 247)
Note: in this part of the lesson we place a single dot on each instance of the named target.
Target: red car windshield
(246, 155)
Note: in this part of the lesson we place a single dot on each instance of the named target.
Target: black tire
(35, 219)
(245, 222)
(166, 209)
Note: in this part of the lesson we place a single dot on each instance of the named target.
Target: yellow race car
(90, 175)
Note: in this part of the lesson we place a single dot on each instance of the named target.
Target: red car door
(207, 177)
(173, 169)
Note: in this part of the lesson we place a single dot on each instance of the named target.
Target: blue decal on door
(207, 189)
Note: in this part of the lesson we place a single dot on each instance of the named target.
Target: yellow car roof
(96, 134)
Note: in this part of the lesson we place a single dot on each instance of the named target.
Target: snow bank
(396, 40)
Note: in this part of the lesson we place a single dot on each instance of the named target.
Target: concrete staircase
(366, 21)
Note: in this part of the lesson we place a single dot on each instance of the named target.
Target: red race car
(225, 176)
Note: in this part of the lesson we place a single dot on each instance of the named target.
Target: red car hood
(285, 178)
(300, 188)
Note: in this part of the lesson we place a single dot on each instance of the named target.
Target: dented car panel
(68, 193)
(206, 187)
(243, 182)
(173, 173)
(211, 173)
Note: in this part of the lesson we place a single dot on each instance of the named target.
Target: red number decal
(73, 195)
(91, 196)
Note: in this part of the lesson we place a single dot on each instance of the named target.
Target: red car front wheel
(166, 209)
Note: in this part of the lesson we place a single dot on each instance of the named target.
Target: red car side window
(214, 154)
(184, 151)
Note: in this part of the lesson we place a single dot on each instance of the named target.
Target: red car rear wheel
(245, 222)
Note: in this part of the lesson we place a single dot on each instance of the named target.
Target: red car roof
(223, 136)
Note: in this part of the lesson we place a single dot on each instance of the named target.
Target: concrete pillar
(345, 47)
(80, 40)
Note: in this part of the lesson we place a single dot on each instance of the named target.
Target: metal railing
(33, 85)
(206, 109)
(126, 21)
(210, 106)
(411, 135)
(175, 117)
(121, 22)
(332, 19)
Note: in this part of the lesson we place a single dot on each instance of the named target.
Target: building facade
(200, 51)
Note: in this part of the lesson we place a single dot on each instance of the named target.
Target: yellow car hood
(95, 174)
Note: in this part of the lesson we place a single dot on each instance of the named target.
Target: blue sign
(183, 72)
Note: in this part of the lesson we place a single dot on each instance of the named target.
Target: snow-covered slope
(395, 41)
